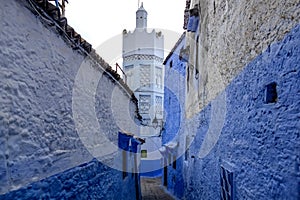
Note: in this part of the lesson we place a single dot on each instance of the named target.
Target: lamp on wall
(158, 123)
(155, 122)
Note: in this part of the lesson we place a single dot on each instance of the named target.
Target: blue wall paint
(152, 174)
(173, 115)
(174, 94)
(86, 181)
(174, 108)
(260, 142)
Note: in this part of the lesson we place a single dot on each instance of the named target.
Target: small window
(226, 180)
(169, 159)
(171, 64)
(214, 7)
(174, 162)
(128, 66)
(186, 153)
(271, 93)
(144, 153)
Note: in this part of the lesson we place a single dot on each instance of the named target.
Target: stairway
(153, 190)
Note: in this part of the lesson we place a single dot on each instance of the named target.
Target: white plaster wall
(38, 136)
(143, 41)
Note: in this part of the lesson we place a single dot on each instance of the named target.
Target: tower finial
(141, 17)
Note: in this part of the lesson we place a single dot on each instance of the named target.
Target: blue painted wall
(150, 174)
(174, 93)
(260, 141)
(86, 181)
(174, 109)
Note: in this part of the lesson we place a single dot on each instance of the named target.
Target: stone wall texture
(259, 141)
(238, 141)
(43, 152)
(233, 33)
(91, 180)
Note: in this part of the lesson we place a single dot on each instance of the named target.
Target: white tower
(143, 54)
(141, 18)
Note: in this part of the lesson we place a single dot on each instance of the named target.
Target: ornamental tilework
(145, 102)
(145, 75)
(158, 77)
(143, 57)
(158, 104)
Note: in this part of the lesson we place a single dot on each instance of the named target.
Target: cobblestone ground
(153, 190)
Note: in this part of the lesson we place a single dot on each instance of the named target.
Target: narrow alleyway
(153, 190)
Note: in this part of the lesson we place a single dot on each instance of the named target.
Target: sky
(99, 21)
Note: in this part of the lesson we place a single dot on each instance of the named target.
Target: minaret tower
(143, 54)
(141, 18)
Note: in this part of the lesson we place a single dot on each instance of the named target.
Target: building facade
(174, 104)
(143, 53)
(44, 154)
(241, 108)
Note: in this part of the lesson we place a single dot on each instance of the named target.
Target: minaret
(141, 17)
(143, 54)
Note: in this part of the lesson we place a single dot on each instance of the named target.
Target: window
(144, 153)
(271, 93)
(146, 121)
(158, 104)
(174, 162)
(128, 67)
(145, 75)
(144, 103)
(226, 179)
(186, 153)
(158, 77)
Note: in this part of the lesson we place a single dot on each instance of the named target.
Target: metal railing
(124, 74)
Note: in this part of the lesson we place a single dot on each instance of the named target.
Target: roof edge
(174, 48)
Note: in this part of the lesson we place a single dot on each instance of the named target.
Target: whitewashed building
(143, 53)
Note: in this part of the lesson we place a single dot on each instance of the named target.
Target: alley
(209, 100)
(153, 190)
